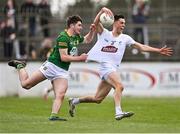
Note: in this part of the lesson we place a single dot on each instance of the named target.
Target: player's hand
(83, 57)
(166, 51)
(107, 11)
(93, 27)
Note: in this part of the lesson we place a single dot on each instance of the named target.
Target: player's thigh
(60, 86)
(114, 79)
(103, 89)
(35, 78)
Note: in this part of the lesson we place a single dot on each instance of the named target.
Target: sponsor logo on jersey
(109, 49)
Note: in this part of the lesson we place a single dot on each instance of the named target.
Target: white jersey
(108, 48)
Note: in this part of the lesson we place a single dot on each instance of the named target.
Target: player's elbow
(64, 58)
(144, 48)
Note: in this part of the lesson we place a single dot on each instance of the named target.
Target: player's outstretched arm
(167, 51)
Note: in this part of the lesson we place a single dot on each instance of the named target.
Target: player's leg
(60, 86)
(114, 80)
(102, 91)
(26, 81)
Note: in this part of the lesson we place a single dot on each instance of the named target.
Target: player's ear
(72, 25)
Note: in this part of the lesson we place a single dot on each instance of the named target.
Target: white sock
(76, 101)
(118, 110)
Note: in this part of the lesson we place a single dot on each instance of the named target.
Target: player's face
(78, 27)
(120, 24)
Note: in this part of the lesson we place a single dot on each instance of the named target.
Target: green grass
(30, 115)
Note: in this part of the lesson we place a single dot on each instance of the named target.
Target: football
(106, 20)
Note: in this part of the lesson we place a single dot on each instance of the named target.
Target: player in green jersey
(57, 65)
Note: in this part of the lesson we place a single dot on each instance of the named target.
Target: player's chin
(122, 28)
(79, 31)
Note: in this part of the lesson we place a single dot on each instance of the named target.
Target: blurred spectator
(45, 16)
(10, 12)
(45, 49)
(32, 51)
(8, 35)
(22, 40)
(29, 11)
(139, 16)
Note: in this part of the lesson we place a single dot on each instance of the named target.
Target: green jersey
(64, 41)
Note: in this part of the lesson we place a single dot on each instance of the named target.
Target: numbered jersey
(64, 41)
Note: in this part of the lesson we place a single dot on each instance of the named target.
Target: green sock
(19, 66)
(53, 115)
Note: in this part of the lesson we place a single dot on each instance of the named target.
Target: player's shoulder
(105, 31)
(125, 35)
(62, 36)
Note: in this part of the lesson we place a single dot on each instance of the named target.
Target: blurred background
(28, 28)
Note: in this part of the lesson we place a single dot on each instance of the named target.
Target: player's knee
(60, 95)
(119, 87)
(26, 86)
(98, 100)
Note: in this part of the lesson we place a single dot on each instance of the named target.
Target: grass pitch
(30, 115)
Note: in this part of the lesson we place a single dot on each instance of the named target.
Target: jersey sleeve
(62, 42)
(130, 41)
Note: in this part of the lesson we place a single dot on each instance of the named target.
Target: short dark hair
(73, 20)
(118, 16)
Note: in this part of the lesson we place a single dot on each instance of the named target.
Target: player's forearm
(97, 20)
(69, 58)
(89, 37)
(146, 48)
(99, 27)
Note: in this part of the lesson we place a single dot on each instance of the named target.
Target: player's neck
(116, 33)
(70, 32)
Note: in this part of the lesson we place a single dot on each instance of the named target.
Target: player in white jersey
(108, 51)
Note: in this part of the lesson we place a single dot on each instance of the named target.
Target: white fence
(138, 78)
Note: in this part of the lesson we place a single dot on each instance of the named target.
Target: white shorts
(51, 71)
(106, 68)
